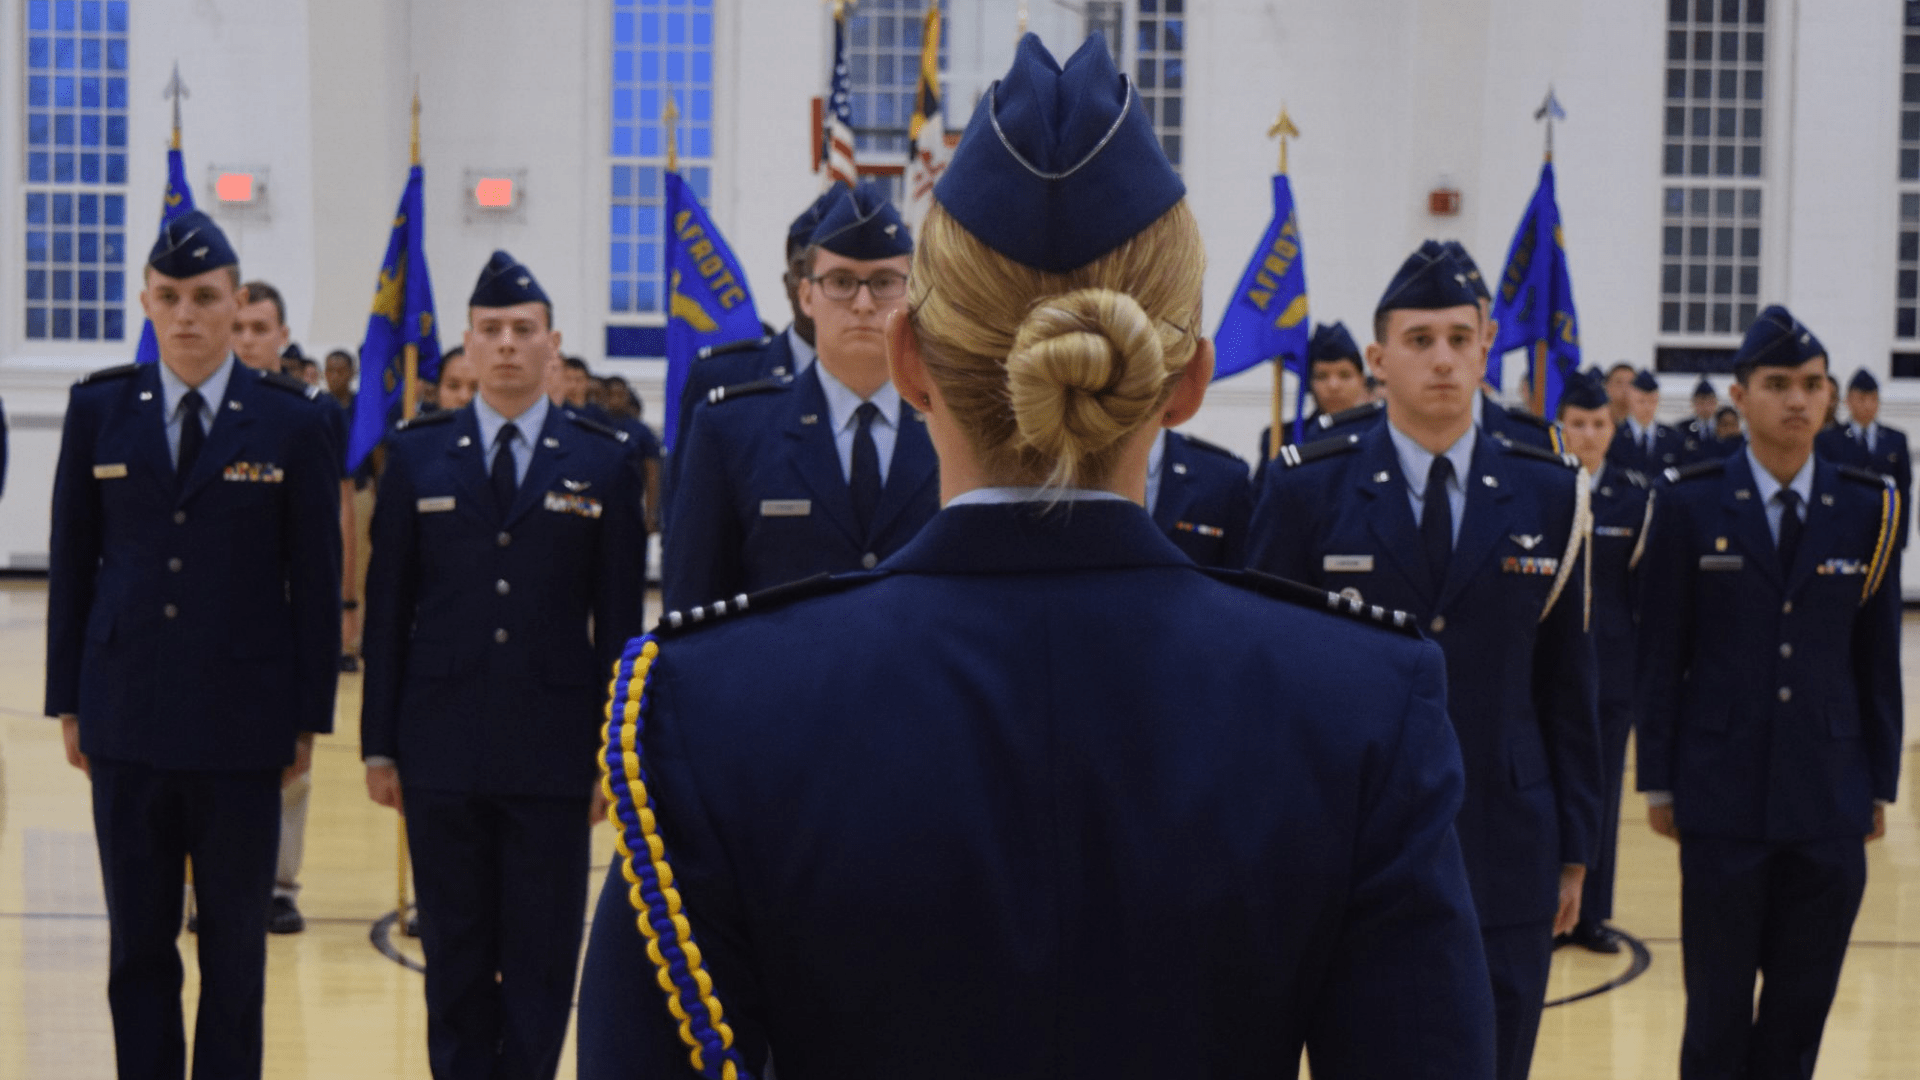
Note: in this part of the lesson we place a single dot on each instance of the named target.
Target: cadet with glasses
(1038, 797)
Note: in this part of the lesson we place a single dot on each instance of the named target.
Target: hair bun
(1087, 368)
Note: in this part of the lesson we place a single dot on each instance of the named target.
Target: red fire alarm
(1443, 202)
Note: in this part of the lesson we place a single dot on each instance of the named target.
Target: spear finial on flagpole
(176, 90)
(841, 7)
(670, 119)
(1283, 130)
(1550, 111)
(1023, 18)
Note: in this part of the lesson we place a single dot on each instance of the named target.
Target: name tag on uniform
(1203, 530)
(1841, 566)
(1613, 530)
(578, 505)
(109, 472)
(253, 472)
(436, 504)
(1347, 564)
(1722, 562)
(786, 507)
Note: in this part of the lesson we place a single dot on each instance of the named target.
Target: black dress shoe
(350, 664)
(1595, 937)
(283, 917)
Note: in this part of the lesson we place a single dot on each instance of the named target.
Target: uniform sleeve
(1876, 676)
(625, 1029)
(1407, 993)
(619, 601)
(1660, 658)
(701, 555)
(700, 380)
(75, 558)
(388, 606)
(313, 547)
(1566, 691)
(1277, 539)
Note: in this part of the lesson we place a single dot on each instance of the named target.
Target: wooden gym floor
(336, 1007)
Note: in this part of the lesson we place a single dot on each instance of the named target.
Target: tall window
(660, 48)
(1714, 165)
(76, 169)
(1907, 278)
(1159, 68)
(883, 68)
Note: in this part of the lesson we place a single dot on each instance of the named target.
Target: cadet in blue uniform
(1698, 439)
(1770, 710)
(1039, 798)
(506, 573)
(1866, 443)
(1198, 494)
(1515, 423)
(1337, 381)
(826, 470)
(1622, 500)
(1642, 443)
(193, 641)
(1481, 539)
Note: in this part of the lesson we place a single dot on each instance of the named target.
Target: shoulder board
(1525, 416)
(1202, 444)
(1347, 416)
(290, 384)
(1866, 476)
(1694, 471)
(675, 623)
(743, 345)
(747, 389)
(105, 374)
(437, 416)
(595, 426)
(1538, 453)
(1307, 596)
(1294, 454)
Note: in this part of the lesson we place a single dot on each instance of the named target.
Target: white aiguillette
(1722, 562)
(1347, 564)
(115, 471)
(434, 504)
(786, 507)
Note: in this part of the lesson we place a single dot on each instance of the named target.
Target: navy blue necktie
(505, 480)
(865, 479)
(192, 434)
(1436, 520)
(1790, 528)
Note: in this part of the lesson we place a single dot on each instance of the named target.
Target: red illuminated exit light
(494, 193)
(234, 187)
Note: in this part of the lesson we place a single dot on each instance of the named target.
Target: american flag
(839, 133)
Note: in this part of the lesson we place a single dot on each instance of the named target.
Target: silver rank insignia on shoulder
(576, 485)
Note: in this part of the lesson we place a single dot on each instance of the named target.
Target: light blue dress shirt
(212, 392)
(841, 404)
(1769, 490)
(1416, 461)
(996, 496)
(529, 423)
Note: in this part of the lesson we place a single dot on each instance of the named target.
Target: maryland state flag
(179, 201)
(1534, 303)
(402, 316)
(1267, 317)
(927, 151)
(709, 303)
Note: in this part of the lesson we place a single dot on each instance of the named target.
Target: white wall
(1393, 96)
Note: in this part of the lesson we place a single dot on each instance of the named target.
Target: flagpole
(1537, 392)
(409, 405)
(1283, 130)
(176, 90)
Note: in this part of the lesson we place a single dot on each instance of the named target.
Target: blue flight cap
(1644, 381)
(1864, 382)
(1430, 280)
(1059, 165)
(1704, 388)
(189, 245)
(800, 233)
(505, 283)
(1331, 341)
(1776, 339)
(1583, 391)
(1474, 281)
(863, 225)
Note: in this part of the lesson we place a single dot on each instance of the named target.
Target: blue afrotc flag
(402, 315)
(709, 303)
(1534, 301)
(179, 201)
(1267, 317)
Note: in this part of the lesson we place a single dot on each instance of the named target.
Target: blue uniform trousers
(1780, 910)
(149, 822)
(502, 887)
(1596, 897)
(1519, 959)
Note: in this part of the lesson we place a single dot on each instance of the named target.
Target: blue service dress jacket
(1520, 688)
(716, 366)
(1205, 501)
(1769, 700)
(1888, 456)
(764, 500)
(1668, 446)
(1042, 799)
(490, 635)
(1621, 498)
(194, 623)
